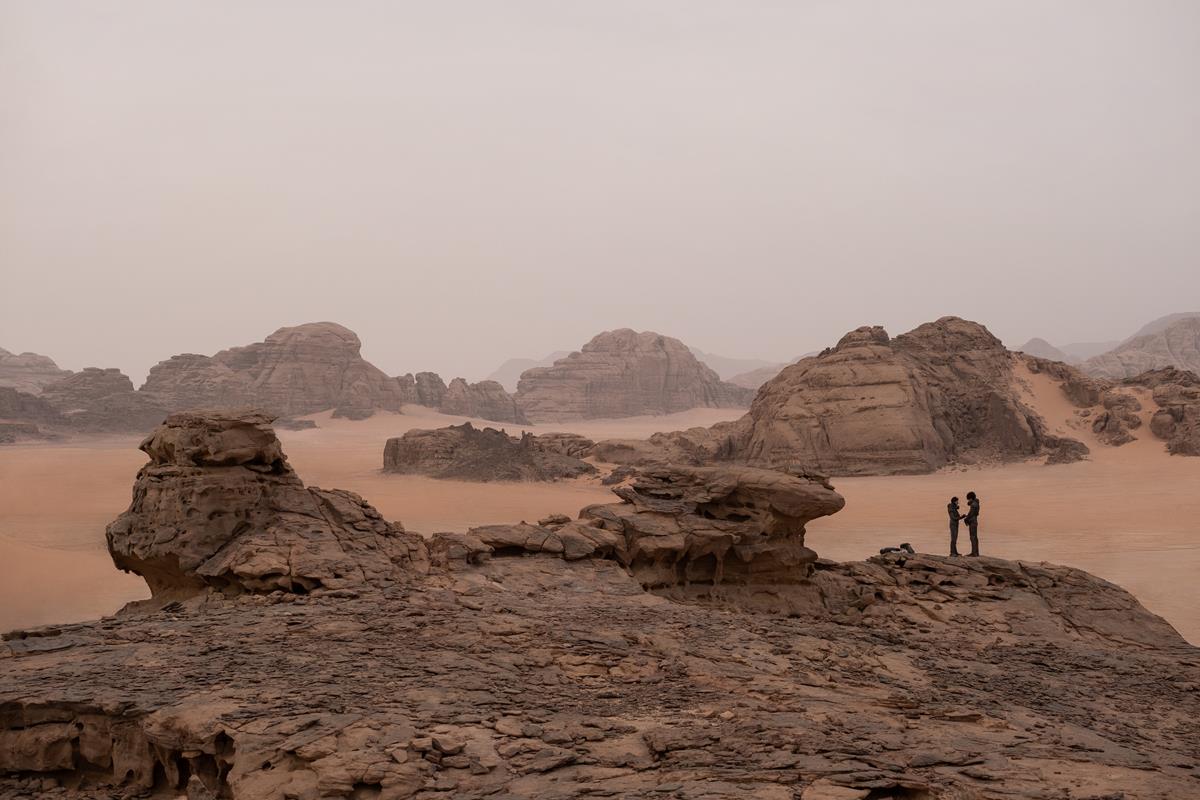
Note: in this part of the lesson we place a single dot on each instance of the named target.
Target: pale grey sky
(461, 182)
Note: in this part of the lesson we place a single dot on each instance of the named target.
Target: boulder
(294, 371)
(464, 452)
(1177, 420)
(715, 525)
(624, 373)
(1114, 424)
(218, 506)
(28, 372)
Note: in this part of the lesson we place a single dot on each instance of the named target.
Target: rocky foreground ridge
(682, 643)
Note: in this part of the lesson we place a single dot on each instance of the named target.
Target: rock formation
(325, 654)
(509, 373)
(429, 389)
(1176, 345)
(1114, 412)
(91, 401)
(623, 373)
(26, 416)
(940, 394)
(294, 371)
(483, 400)
(1177, 421)
(464, 452)
(98, 400)
(28, 372)
(1080, 388)
(218, 506)
(681, 526)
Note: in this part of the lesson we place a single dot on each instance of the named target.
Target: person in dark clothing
(955, 516)
(972, 520)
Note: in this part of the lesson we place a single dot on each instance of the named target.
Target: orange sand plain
(1130, 515)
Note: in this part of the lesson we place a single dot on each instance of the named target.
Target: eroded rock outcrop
(624, 373)
(1114, 411)
(715, 525)
(940, 394)
(294, 371)
(482, 400)
(1176, 392)
(28, 372)
(98, 400)
(24, 416)
(464, 452)
(218, 506)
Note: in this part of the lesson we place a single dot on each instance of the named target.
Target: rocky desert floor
(1128, 515)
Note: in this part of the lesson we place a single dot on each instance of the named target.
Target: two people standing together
(971, 518)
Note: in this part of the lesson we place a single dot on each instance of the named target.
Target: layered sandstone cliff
(96, 400)
(294, 371)
(624, 373)
(28, 372)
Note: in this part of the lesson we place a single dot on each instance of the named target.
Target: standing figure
(955, 516)
(972, 520)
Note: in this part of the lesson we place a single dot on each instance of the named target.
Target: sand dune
(1127, 515)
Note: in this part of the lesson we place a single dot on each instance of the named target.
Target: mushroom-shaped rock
(734, 525)
(219, 506)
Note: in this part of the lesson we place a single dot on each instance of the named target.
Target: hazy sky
(461, 182)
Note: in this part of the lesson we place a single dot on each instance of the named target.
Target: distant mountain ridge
(1082, 352)
(1173, 344)
(726, 367)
